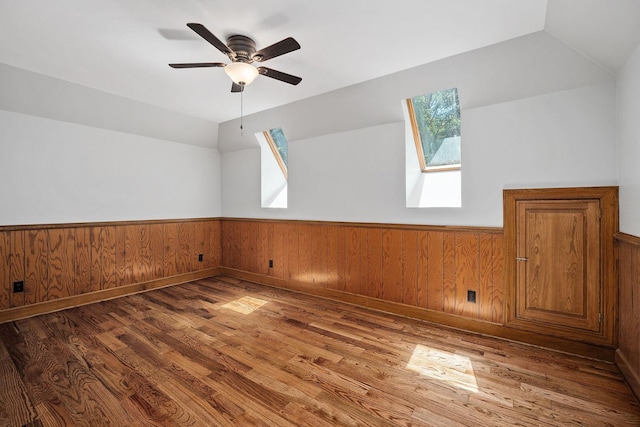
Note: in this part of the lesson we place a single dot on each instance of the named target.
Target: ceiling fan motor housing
(243, 47)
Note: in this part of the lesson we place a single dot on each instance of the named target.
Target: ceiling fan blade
(198, 65)
(284, 46)
(236, 88)
(208, 36)
(279, 75)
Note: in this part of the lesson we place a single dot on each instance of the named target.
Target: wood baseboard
(103, 295)
(628, 373)
(445, 319)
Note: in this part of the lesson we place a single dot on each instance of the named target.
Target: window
(274, 159)
(278, 144)
(435, 119)
(432, 150)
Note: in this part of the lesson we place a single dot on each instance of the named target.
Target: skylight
(435, 118)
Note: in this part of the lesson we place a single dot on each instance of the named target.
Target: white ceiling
(123, 46)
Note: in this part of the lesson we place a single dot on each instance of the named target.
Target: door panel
(558, 262)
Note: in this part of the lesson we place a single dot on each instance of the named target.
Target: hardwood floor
(221, 352)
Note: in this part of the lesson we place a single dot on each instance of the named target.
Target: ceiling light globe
(241, 73)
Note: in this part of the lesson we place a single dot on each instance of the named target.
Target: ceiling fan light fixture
(241, 73)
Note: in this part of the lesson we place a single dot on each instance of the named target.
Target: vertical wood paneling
(196, 229)
(292, 252)
(628, 345)
(226, 237)
(252, 246)
(331, 257)
(156, 234)
(485, 286)
(365, 288)
(435, 270)
(132, 253)
(341, 256)
(374, 262)
(467, 273)
(497, 277)
(352, 260)
(629, 323)
(392, 270)
(58, 262)
(247, 253)
(214, 244)
(324, 279)
(316, 254)
(410, 267)
(431, 269)
(5, 262)
(236, 245)
(120, 267)
(277, 251)
(17, 260)
(62, 245)
(269, 254)
(83, 260)
(55, 238)
(328, 248)
(171, 249)
(36, 267)
(262, 248)
(96, 267)
(17, 270)
(244, 230)
(305, 272)
(449, 272)
(145, 263)
(184, 248)
(108, 257)
(422, 269)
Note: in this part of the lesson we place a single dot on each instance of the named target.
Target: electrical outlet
(471, 296)
(200, 257)
(18, 286)
(270, 263)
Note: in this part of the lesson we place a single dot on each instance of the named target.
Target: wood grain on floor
(223, 352)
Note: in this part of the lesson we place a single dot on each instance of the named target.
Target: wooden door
(560, 274)
(558, 262)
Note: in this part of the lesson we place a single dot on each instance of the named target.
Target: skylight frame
(276, 153)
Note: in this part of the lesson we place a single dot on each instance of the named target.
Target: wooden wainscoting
(418, 266)
(423, 272)
(64, 265)
(628, 353)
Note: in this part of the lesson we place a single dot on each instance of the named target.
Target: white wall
(566, 138)
(69, 153)
(535, 113)
(58, 172)
(628, 96)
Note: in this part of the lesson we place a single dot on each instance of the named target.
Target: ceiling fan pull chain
(241, 109)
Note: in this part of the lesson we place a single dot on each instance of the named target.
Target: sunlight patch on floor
(444, 366)
(245, 305)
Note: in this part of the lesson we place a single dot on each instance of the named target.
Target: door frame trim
(608, 197)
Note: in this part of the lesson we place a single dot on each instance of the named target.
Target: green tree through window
(437, 117)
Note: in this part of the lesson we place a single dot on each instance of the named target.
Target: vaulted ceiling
(122, 47)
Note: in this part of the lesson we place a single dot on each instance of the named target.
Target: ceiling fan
(241, 50)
